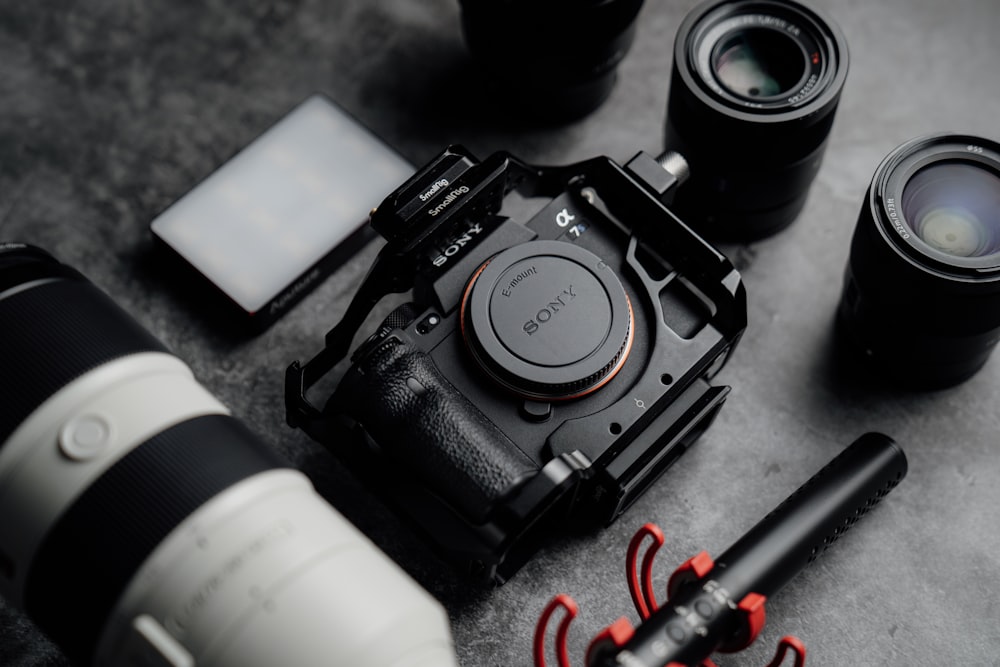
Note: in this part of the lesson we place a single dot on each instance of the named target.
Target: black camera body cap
(549, 320)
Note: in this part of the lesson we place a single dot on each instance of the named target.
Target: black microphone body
(710, 611)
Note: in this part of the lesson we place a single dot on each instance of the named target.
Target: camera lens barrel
(754, 88)
(921, 296)
(554, 60)
(83, 330)
(142, 524)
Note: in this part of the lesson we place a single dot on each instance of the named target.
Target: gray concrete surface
(111, 110)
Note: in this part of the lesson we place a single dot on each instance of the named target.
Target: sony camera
(554, 360)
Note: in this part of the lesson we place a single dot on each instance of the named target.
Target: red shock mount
(640, 586)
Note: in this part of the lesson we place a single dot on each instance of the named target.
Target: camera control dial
(549, 320)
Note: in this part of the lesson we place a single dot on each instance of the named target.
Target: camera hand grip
(411, 410)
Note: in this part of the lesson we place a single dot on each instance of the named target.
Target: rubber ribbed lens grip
(96, 547)
(51, 334)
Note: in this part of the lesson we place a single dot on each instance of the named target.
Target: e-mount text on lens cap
(548, 320)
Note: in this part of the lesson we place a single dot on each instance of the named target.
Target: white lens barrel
(257, 571)
(265, 573)
(268, 574)
(75, 436)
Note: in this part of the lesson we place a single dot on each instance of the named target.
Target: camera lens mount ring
(548, 320)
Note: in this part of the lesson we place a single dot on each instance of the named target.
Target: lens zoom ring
(52, 334)
(96, 547)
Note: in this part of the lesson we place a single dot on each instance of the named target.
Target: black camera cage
(634, 198)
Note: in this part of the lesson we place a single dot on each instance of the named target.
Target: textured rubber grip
(417, 416)
(96, 547)
(53, 333)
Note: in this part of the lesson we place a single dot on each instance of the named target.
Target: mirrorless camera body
(554, 360)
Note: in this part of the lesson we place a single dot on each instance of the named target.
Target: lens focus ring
(58, 331)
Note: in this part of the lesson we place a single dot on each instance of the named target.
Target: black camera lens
(753, 92)
(922, 291)
(554, 60)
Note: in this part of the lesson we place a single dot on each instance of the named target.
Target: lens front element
(954, 207)
(759, 63)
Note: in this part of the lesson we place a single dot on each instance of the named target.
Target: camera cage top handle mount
(408, 227)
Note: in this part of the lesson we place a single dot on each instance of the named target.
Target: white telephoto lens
(143, 526)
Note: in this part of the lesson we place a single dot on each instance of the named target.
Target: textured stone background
(110, 110)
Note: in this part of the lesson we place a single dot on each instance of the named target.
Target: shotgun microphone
(718, 605)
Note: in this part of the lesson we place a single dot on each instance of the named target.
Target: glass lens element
(759, 62)
(954, 207)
